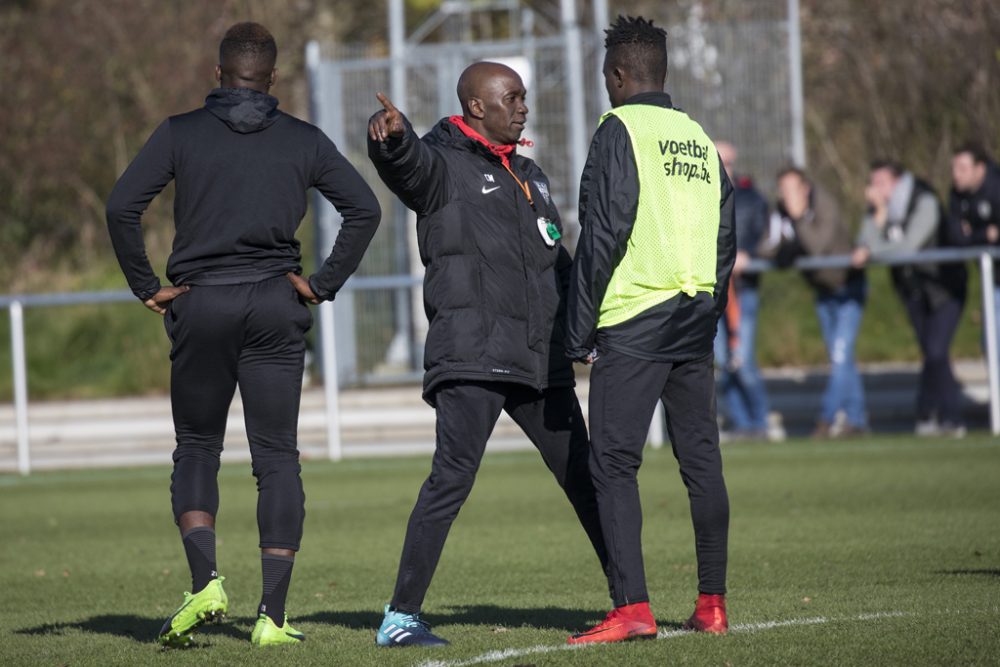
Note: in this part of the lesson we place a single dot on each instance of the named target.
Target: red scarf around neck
(502, 151)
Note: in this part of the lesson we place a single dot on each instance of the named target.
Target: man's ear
(476, 109)
(618, 77)
(274, 77)
(218, 73)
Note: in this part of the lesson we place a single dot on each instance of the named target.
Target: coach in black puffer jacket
(495, 282)
(496, 277)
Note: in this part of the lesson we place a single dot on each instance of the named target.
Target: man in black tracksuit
(237, 315)
(489, 237)
(974, 206)
(649, 284)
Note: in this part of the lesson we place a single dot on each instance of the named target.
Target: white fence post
(576, 104)
(796, 96)
(20, 386)
(656, 436)
(990, 325)
(331, 383)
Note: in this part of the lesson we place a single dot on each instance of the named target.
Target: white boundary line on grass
(507, 654)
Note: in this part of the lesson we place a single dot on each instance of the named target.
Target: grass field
(884, 551)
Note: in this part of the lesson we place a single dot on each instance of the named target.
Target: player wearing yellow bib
(649, 283)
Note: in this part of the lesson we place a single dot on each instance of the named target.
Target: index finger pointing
(385, 102)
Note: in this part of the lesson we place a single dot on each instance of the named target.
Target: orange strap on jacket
(524, 186)
(501, 151)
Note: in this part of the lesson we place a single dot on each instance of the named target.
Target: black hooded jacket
(494, 288)
(242, 169)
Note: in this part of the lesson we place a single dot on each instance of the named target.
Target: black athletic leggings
(466, 415)
(623, 394)
(250, 335)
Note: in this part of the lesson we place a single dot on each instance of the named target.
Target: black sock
(199, 545)
(277, 574)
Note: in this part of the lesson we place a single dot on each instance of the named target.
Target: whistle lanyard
(524, 186)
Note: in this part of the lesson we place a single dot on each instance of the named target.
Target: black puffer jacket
(494, 290)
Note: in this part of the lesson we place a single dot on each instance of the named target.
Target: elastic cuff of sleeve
(320, 294)
(148, 293)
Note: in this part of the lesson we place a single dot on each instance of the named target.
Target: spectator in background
(905, 216)
(974, 204)
(808, 222)
(743, 390)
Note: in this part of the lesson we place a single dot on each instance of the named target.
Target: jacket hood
(447, 133)
(242, 109)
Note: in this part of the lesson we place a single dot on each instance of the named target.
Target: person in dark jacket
(489, 236)
(740, 382)
(808, 222)
(235, 314)
(650, 281)
(905, 217)
(974, 206)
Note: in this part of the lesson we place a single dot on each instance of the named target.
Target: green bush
(789, 334)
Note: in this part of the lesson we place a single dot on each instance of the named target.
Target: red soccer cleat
(709, 615)
(633, 621)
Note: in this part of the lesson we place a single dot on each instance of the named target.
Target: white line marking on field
(506, 654)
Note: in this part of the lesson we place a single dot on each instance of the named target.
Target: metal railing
(986, 255)
(16, 303)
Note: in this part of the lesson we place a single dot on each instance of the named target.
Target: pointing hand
(386, 122)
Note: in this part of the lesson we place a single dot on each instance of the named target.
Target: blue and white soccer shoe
(399, 629)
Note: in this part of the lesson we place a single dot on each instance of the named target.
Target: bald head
(478, 78)
(492, 97)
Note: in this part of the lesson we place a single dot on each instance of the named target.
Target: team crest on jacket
(543, 188)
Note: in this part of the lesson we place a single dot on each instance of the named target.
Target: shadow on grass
(137, 628)
(982, 572)
(552, 618)
(143, 630)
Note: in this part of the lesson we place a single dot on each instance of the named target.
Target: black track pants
(252, 336)
(623, 395)
(940, 394)
(466, 415)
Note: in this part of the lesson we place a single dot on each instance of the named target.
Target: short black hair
(976, 150)
(248, 45)
(894, 168)
(638, 47)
